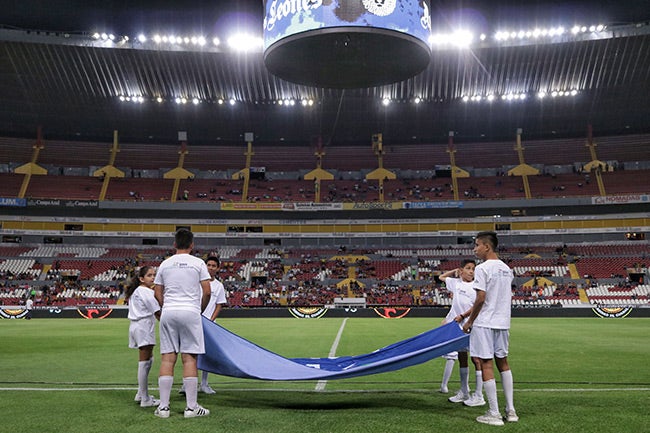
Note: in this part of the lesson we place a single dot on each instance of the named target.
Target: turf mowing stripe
(320, 386)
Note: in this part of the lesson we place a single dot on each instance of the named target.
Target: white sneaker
(475, 400)
(511, 416)
(459, 397)
(443, 390)
(206, 389)
(162, 412)
(149, 402)
(490, 418)
(197, 411)
(137, 398)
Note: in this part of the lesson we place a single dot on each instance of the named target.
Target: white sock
(204, 378)
(149, 364)
(508, 389)
(143, 380)
(191, 384)
(490, 387)
(165, 384)
(464, 380)
(449, 367)
(479, 382)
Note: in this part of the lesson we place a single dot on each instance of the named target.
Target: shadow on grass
(313, 401)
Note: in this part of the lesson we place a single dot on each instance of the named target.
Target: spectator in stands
(489, 323)
(143, 312)
(459, 283)
(217, 301)
(183, 291)
(29, 306)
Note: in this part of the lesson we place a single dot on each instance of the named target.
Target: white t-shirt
(142, 303)
(494, 277)
(218, 296)
(181, 276)
(464, 296)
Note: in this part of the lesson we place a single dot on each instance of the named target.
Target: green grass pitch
(571, 375)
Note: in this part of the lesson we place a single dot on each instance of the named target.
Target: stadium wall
(98, 312)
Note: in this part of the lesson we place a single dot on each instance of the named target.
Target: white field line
(320, 386)
(338, 391)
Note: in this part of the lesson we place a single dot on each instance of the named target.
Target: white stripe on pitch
(338, 391)
(320, 386)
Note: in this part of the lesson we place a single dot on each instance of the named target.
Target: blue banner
(230, 355)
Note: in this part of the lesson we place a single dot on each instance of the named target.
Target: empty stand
(64, 187)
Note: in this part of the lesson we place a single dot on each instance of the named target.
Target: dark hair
(213, 259)
(466, 261)
(134, 280)
(183, 239)
(490, 238)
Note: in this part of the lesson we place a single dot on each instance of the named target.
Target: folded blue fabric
(228, 354)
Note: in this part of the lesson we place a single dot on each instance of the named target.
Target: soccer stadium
(339, 158)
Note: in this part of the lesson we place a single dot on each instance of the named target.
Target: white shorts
(181, 331)
(142, 333)
(487, 343)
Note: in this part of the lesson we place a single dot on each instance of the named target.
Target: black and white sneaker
(162, 412)
(197, 411)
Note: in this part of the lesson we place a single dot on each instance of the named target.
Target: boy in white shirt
(459, 283)
(217, 301)
(489, 323)
(182, 288)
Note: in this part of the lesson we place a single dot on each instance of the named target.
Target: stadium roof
(55, 74)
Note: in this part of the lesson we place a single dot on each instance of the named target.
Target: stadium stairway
(44, 271)
(573, 271)
(582, 293)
